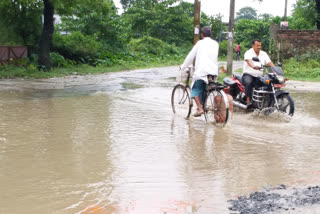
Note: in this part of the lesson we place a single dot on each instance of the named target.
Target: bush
(57, 60)
(77, 47)
(223, 48)
(152, 46)
(302, 67)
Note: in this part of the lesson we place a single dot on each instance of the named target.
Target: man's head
(206, 31)
(256, 45)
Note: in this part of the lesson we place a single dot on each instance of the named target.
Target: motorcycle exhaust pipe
(239, 105)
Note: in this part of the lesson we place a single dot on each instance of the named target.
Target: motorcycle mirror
(256, 59)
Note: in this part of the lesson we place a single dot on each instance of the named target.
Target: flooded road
(111, 144)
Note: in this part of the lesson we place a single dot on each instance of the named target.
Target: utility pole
(285, 10)
(196, 32)
(230, 38)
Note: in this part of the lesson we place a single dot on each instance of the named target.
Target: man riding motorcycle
(251, 69)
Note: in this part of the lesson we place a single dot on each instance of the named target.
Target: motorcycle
(269, 96)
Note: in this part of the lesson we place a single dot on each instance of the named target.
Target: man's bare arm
(270, 64)
(250, 63)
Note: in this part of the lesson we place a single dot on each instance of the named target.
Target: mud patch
(276, 199)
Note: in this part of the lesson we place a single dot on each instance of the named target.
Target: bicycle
(238, 56)
(215, 105)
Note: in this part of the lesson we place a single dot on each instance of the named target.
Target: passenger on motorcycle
(251, 69)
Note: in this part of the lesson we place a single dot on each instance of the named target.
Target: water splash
(272, 114)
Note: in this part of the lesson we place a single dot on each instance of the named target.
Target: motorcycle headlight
(281, 79)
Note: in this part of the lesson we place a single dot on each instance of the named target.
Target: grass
(308, 70)
(8, 72)
(30, 71)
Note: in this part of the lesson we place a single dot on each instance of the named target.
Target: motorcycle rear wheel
(285, 103)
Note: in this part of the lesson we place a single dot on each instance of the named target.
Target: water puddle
(114, 146)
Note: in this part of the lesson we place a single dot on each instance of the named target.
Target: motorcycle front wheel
(285, 103)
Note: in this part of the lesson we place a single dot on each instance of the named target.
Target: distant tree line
(97, 34)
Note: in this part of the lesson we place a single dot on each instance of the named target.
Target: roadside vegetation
(94, 38)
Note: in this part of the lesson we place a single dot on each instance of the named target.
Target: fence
(8, 53)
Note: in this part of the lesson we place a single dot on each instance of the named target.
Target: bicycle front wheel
(216, 107)
(180, 101)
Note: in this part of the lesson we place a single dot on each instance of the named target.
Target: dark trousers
(249, 83)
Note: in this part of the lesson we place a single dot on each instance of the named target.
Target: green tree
(246, 13)
(247, 30)
(265, 16)
(217, 26)
(99, 20)
(25, 18)
(162, 20)
(22, 19)
(305, 15)
(318, 13)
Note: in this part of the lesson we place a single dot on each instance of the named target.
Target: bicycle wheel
(180, 101)
(216, 107)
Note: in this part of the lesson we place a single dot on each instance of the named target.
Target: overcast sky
(213, 7)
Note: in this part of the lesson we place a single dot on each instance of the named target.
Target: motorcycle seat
(237, 76)
(229, 82)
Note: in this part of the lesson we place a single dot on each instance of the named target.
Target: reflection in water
(117, 148)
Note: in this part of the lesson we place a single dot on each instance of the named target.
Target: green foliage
(170, 24)
(246, 13)
(300, 23)
(152, 45)
(223, 48)
(217, 27)
(305, 69)
(57, 60)
(77, 47)
(248, 30)
(99, 20)
(304, 15)
(20, 21)
(303, 66)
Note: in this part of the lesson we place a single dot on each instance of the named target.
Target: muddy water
(110, 144)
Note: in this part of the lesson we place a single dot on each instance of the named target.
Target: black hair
(255, 40)
(206, 31)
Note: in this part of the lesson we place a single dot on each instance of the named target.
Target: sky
(213, 7)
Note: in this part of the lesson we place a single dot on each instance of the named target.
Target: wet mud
(277, 199)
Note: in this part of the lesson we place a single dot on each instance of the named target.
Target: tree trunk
(318, 12)
(46, 36)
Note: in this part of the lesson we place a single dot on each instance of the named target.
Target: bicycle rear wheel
(181, 101)
(216, 107)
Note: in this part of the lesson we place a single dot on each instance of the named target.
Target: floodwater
(111, 144)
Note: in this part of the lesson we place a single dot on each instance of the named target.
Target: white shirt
(206, 54)
(264, 60)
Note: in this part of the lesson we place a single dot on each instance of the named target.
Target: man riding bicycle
(205, 52)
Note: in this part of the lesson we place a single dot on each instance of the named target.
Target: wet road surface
(111, 144)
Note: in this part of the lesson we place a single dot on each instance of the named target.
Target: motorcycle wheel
(285, 103)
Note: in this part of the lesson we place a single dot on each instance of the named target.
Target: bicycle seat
(216, 85)
(212, 78)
